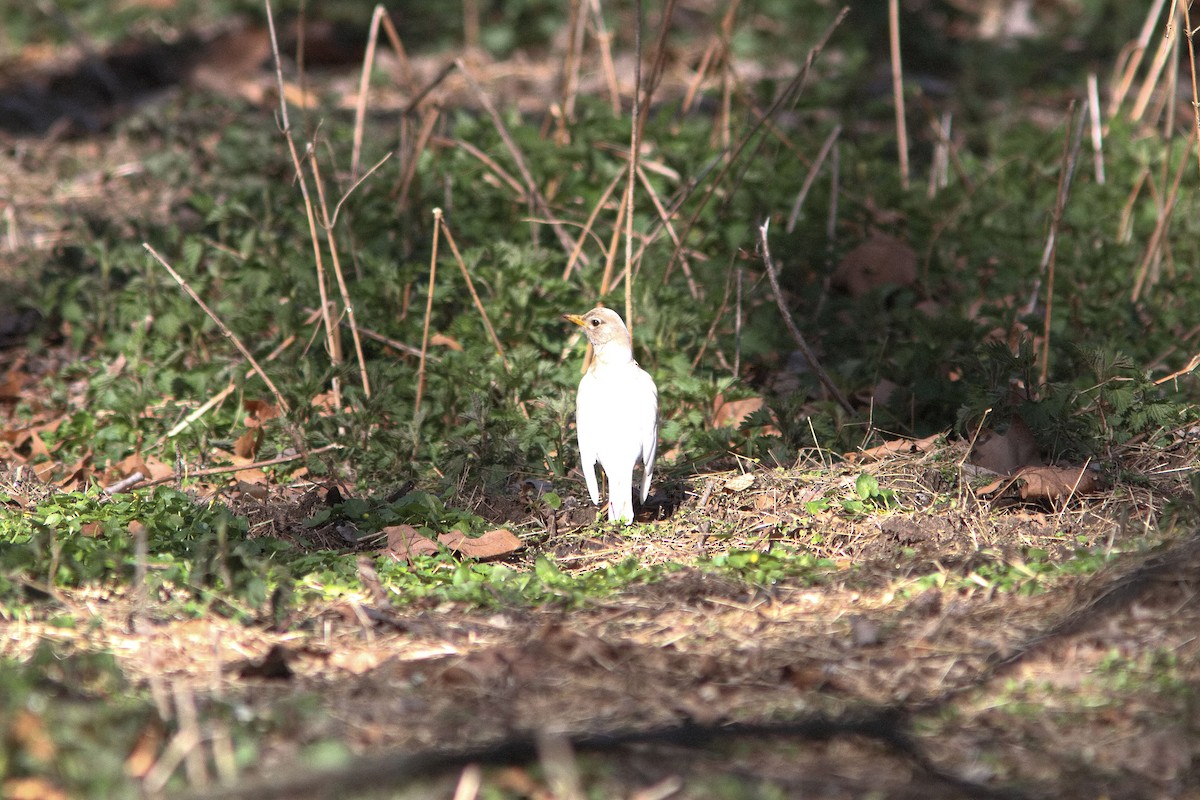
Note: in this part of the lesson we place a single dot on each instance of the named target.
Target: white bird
(616, 413)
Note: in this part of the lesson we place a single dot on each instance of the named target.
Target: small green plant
(868, 496)
(77, 538)
(771, 567)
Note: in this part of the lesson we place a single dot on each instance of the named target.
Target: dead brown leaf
(258, 412)
(895, 447)
(882, 260)
(1055, 484)
(740, 483)
(404, 542)
(246, 445)
(494, 543)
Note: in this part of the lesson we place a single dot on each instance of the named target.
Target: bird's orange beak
(578, 320)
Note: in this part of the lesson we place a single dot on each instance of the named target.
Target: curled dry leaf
(1047, 484)
(246, 445)
(895, 447)
(1056, 484)
(493, 544)
(740, 483)
(258, 412)
(404, 542)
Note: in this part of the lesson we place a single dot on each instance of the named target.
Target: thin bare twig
(1187, 25)
(364, 82)
(811, 177)
(1135, 61)
(270, 462)
(229, 334)
(510, 144)
(789, 92)
(606, 60)
(1049, 258)
(1160, 227)
(487, 323)
(801, 342)
(1097, 128)
(336, 261)
(1066, 173)
(635, 140)
(665, 218)
(437, 229)
(346, 195)
(577, 253)
(332, 339)
(1152, 78)
(898, 89)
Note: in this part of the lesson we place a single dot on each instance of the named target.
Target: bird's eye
(595, 322)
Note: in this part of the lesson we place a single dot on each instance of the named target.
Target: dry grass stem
(710, 336)
(665, 217)
(1135, 60)
(813, 169)
(610, 255)
(1146, 93)
(835, 178)
(898, 89)
(220, 396)
(635, 142)
(801, 342)
(604, 39)
(536, 199)
(335, 260)
(337, 209)
(364, 83)
(469, 783)
(1157, 238)
(471, 25)
(1125, 223)
(1093, 102)
(429, 120)
(790, 92)
(728, 79)
(487, 323)
(395, 344)
(576, 27)
(497, 170)
(270, 462)
(689, 96)
(433, 259)
(1071, 141)
(1187, 26)
(229, 334)
(939, 168)
(576, 255)
(332, 339)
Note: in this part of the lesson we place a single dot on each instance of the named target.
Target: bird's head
(603, 326)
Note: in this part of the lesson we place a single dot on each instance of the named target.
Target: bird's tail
(620, 496)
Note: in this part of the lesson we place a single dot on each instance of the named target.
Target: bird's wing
(588, 422)
(649, 433)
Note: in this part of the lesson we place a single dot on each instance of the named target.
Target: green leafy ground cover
(122, 355)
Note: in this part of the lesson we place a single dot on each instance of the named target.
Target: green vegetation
(477, 431)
